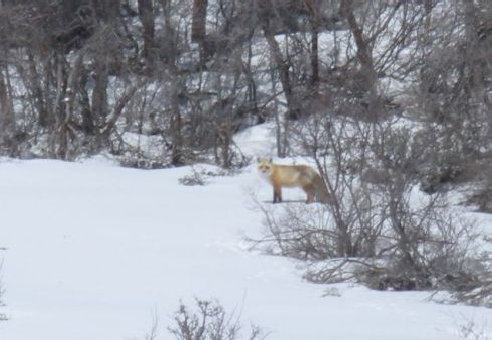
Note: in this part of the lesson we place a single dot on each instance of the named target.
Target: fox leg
(310, 194)
(277, 194)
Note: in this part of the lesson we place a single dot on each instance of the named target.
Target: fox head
(264, 165)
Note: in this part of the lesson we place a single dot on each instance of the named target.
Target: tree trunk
(88, 124)
(428, 6)
(367, 74)
(176, 122)
(99, 94)
(283, 70)
(198, 26)
(45, 119)
(477, 56)
(313, 9)
(176, 128)
(6, 107)
(146, 14)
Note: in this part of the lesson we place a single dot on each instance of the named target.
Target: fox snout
(264, 169)
(264, 165)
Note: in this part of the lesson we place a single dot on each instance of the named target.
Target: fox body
(301, 176)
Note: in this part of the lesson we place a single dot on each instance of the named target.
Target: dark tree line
(77, 76)
(81, 77)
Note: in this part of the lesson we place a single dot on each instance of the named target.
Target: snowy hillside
(97, 252)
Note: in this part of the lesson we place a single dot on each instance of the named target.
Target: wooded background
(77, 77)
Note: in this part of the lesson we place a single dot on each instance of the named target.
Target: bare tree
(267, 14)
(147, 16)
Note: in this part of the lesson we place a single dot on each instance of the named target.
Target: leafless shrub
(472, 329)
(378, 229)
(479, 294)
(482, 196)
(195, 178)
(300, 231)
(200, 175)
(419, 249)
(209, 321)
(433, 253)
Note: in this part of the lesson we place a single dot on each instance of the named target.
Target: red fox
(293, 176)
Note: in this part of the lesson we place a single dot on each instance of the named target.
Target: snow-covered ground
(96, 252)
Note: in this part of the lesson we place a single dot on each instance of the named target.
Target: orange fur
(301, 176)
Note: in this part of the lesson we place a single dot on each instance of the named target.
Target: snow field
(95, 252)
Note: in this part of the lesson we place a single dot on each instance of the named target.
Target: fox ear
(270, 160)
(258, 159)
